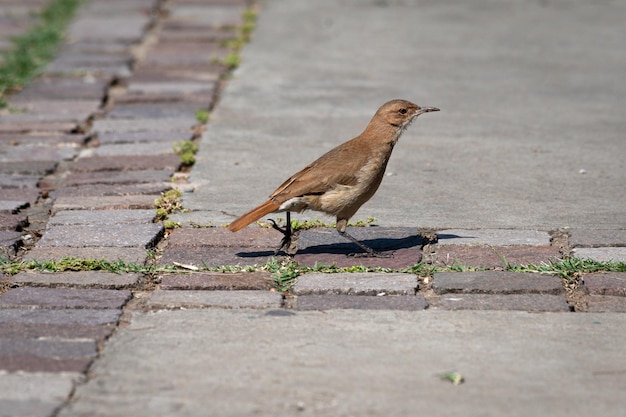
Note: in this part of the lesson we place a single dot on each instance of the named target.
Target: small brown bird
(341, 180)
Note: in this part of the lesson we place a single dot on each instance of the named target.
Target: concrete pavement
(521, 165)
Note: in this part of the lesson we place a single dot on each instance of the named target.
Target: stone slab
(169, 136)
(606, 304)
(39, 394)
(130, 235)
(522, 302)
(493, 257)
(394, 259)
(223, 299)
(130, 255)
(213, 256)
(360, 302)
(38, 167)
(91, 279)
(55, 298)
(17, 329)
(46, 355)
(496, 282)
(356, 284)
(125, 177)
(318, 240)
(217, 281)
(602, 254)
(494, 237)
(130, 149)
(609, 283)
(250, 237)
(138, 125)
(169, 162)
(112, 190)
(593, 238)
(109, 202)
(101, 217)
(54, 318)
(358, 362)
(32, 363)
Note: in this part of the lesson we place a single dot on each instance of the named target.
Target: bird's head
(401, 113)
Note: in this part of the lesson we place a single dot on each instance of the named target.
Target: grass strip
(34, 49)
(285, 272)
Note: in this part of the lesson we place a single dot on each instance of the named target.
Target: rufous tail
(253, 215)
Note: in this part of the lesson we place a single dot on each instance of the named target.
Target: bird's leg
(286, 243)
(369, 252)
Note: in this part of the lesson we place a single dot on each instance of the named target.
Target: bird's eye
(403, 111)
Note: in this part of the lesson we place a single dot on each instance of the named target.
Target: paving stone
(492, 257)
(524, 302)
(18, 181)
(92, 279)
(217, 281)
(63, 298)
(12, 222)
(208, 16)
(496, 282)
(22, 167)
(197, 73)
(224, 299)
(360, 302)
(170, 162)
(187, 53)
(9, 243)
(494, 237)
(155, 110)
(250, 237)
(129, 28)
(58, 331)
(215, 256)
(92, 217)
(34, 394)
(203, 96)
(39, 153)
(169, 136)
(12, 206)
(34, 127)
(100, 192)
(609, 283)
(52, 139)
(21, 195)
(130, 255)
(606, 304)
(126, 177)
(95, 235)
(66, 87)
(176, 32)
(131, 150)
(402, 258)
(124, 202)
(602, 254)
(31, 363)
(320, 240)
(168, 124)
(594, 238)
(45, 355)
(55, 319)
(48, 110)
(356, 284)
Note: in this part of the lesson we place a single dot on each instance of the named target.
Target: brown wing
(338, 166)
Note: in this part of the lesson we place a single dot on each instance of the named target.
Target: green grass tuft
(34, 49)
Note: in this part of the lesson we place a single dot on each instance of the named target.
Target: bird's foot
(288, 244)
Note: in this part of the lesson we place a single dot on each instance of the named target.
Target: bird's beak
(426, 110)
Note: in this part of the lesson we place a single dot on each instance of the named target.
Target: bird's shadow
(344, 248)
